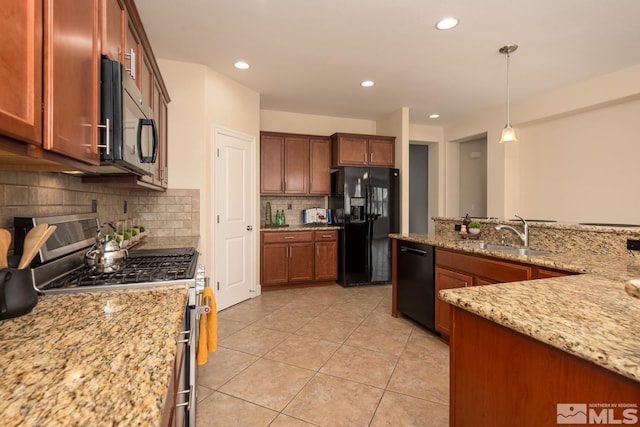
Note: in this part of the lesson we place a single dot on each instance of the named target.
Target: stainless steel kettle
(106, 255)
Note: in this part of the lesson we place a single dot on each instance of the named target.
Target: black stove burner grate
(143, 267)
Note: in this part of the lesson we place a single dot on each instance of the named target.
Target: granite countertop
(590, 315)
(92, 358)
(300, 228)
(150, 242)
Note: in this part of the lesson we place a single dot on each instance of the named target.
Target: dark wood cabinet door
(296, 165)
(545, 273)
(132, 49)
(112, 29)
(271, 164)
(301, 262)
(71, 58)
(381, 152)
(447, 279)
(160, 116)
(326, 260)
(320, 164)
(146, 80)
(350, 150)
(275, 264)
(21, 70)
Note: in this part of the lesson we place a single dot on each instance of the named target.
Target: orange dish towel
(208, 338)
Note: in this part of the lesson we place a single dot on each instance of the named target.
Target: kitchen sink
(504, 249)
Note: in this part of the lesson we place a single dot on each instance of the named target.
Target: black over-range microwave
(129, 140)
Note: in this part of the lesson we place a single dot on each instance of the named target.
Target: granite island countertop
(590, 315)
(91, 358)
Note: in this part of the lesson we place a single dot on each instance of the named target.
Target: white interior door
(234, 206)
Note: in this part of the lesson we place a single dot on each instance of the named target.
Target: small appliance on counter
(316, 216)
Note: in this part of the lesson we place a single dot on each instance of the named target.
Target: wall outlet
(633, 244)
(457, 227)
(289, 206)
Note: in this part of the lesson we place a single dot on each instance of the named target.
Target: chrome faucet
(524, 236)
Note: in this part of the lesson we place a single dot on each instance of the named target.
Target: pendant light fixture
(508, 133)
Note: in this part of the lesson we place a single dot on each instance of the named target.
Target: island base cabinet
(500, 377)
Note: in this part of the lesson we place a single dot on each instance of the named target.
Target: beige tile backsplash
(175, 212)
(293, 216)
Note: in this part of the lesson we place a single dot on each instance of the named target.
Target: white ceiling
(309, 56)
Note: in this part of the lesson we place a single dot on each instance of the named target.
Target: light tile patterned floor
(328, 356)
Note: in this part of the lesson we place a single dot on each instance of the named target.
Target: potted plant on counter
(474, 227)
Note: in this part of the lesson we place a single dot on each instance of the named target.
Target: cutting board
(5, 241)
(31, 244)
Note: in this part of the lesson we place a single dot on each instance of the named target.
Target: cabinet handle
(371, 158)
(413, 251)
(286, 251)
(466, 285)
(289, 237)
(327, 236)
(106, 128)
(131, 56)
(186, 340)
(189, 398)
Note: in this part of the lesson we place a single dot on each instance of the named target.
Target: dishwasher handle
(413, 251)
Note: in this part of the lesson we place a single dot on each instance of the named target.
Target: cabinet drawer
(281, 237)
(489, 268)
(326, 235)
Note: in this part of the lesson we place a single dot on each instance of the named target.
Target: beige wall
(473, 178)
(396, 124)
(591, 123)
(280, 121)
(432, 136)
(200, 99)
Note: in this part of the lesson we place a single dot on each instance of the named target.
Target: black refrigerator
(364, 203)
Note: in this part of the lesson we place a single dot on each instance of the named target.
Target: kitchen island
(520, 349)
(98, 358)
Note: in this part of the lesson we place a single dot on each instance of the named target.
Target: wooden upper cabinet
(381, 152)
(113, 17)
(362, 150)
(296, 165)
(320, 166)
(285, 164)
(271, 164)
(132, 49)
(350, 150)
(146, 80)
(160, 113)
(71, 58)
(21, 70)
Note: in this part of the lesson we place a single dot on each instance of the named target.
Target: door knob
(249, 227)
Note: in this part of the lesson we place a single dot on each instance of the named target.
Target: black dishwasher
(416, 282)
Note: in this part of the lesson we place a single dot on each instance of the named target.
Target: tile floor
(327, 356)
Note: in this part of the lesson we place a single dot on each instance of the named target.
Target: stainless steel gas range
(59, 267)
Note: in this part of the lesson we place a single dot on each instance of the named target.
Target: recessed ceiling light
(434, 116)
(447, 23)
(367, 83)
(241, 65)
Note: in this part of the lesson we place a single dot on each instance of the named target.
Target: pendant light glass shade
(508, 133)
